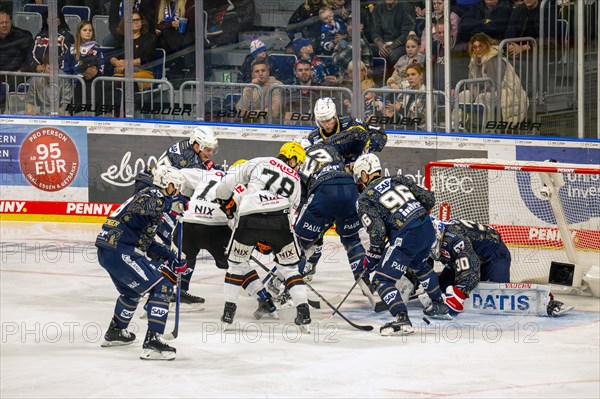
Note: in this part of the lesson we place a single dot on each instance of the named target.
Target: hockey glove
(209, 164)
(371, 260)
(263, 248)
(455, 298)
(228, 206)
(180, 204)
(178, 266)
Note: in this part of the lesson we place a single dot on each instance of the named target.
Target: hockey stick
(357, 326)
(271, 275)
(173, 334)
(348, 294)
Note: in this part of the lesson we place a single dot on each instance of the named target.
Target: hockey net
(544, 211)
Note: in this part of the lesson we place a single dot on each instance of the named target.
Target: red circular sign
(49, 159)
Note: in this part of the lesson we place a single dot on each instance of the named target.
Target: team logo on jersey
(390, 297)
(383, 186)
(158, 312)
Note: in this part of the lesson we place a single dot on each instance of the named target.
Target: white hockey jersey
(202, 206)
(264, 184)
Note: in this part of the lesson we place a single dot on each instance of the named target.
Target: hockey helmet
(324, 110)
(292, 149)
(238, 162)
(163, 175)
(204, 136)
(439, 228)
(368, 163)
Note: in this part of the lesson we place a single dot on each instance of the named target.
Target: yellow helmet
(238, 162)
(293, 149)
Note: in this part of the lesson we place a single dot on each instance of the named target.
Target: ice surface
(56, 302)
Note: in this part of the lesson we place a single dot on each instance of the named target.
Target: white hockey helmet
(163, 175)
(368, 163)
(324, 110)
(204, 136)
(439, 228)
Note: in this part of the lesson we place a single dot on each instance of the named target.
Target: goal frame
(546, 172)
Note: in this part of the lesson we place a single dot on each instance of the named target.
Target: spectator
(392, 23)
(89, 68)
(488, 16)
(251, 97)
(342, 53)
(525, 21)
(341, 8)
(412, 105)
(459, 68)
(85, 44)
(37, 98)
(373, 102)
(115, 16)
(322, 73)
(438, 15)
(484, 54)
(169, 13)
(333, 29)
(258, 51)
(347, 82)
(412, 56)
(305, 20)
(15, 48)
(144, 44)
(64, 40)
(462, 6)
(301, 100)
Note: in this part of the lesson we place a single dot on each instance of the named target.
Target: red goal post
(544, 211)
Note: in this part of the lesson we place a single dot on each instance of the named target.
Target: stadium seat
(100, 24)
(73, 21)
(82, 11)
(30, 21)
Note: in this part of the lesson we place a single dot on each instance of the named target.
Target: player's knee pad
(288, 255)
(291, 276)
(240, 253)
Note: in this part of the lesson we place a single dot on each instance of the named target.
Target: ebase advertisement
(81, 169)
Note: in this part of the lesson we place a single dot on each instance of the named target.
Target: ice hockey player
(330, 128)
(395, 209)
(195, 152)
(205, 226)
(267, 192)
(139, 265)
(332, 196)
(472, 252)
(329, 124)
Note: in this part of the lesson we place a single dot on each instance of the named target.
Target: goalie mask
(164, 175)
(439, 235)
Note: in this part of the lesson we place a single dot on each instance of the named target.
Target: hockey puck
(426, 320)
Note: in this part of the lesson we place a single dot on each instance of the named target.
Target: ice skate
(303, 317)
(265, 307)
(284, 300)
(155, 348)
(117, 337)
(192, 303)
(438, 309)
(228, 312)
(557, 308)
(400, 326)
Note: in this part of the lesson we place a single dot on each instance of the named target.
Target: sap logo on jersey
(126, 314)
(501, 302)
(390, 297)
(158, 312)
(383, 186)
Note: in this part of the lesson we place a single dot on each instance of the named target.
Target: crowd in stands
(320, 37)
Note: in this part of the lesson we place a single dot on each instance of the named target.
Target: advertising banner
(44, 160)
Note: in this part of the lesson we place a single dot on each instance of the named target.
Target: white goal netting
(544, 211)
